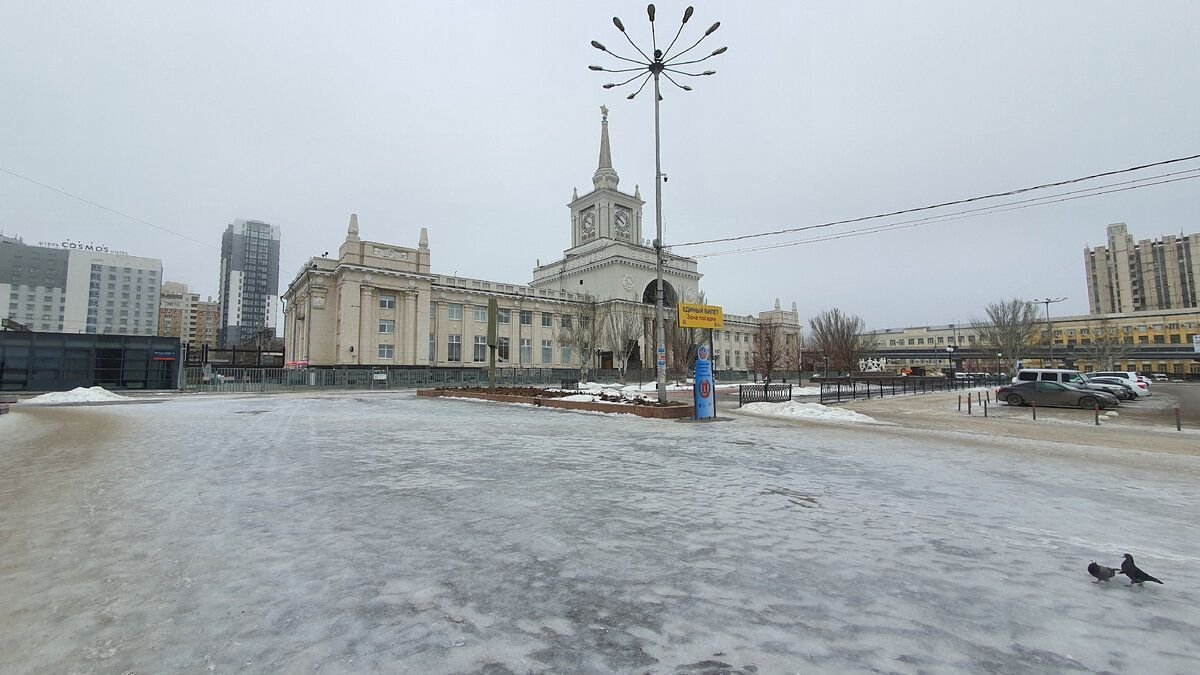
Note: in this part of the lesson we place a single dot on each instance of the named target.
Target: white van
(1060, 375)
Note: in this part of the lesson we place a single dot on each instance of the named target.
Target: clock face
(589, 224)
(623, 224)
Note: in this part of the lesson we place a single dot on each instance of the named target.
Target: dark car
(1053, 393)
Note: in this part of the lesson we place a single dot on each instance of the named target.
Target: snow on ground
(386, 533)
(810, 411)
(806, 391)
(76, 395)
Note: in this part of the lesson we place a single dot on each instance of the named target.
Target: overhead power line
(105, 208)
(969, 213)
(994, 195)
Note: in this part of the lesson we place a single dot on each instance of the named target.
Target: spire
(605, 176)
(352, 231)
(423, 244)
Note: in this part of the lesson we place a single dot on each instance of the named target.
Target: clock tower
(608, 258)
(606, 212)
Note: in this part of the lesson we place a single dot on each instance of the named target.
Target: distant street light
(950, 358)
(661, 64)
(1050, 328)
(998, 355)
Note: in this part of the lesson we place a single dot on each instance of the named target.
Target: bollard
(989, 395)
(1033, 404)
(985, 406)
(979, 398)
(960, 403)
(968, 404)
(1097, 406)
(1178, 426)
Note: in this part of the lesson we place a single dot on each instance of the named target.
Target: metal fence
(764, 393)
(851, 388)
(285, 379)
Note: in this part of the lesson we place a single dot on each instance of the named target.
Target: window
(387, 326)
(737, 359)
(502, 349)
(526, 317)
(547, 322)
(502, 316)
(547, 350)
(941, 340)
(480, 348)
(526, 350)
(566, 323)
(433, 310)
(387, 351)
(432, 348)
(566, 354)
(920, 341)
(455, 311)
(454, 347)
(481, 312)
(387, 302)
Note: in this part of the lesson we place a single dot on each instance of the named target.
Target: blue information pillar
(702, 390)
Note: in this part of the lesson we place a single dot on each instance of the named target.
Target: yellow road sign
(700, 316)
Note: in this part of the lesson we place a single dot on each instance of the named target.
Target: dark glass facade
(63, 361)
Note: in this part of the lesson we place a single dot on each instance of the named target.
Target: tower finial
(352, 231)
(605, 176)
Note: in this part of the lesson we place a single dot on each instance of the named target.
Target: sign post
(703, 392)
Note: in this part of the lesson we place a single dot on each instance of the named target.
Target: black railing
(764, 393)
(852, 388)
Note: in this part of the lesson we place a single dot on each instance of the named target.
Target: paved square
(380, 532)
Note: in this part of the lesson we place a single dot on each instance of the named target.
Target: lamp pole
(1049, 328)
(998, 355)
(662, 64)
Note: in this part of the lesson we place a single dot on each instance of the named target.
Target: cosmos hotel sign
(80, 246)
(700, 316)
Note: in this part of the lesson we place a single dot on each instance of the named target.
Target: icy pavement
(352, 533)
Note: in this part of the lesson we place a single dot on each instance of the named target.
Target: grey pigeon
(1101, 572)
(1136, 576)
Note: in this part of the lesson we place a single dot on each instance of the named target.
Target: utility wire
(960, 215)
(105, 208)
(994, 195)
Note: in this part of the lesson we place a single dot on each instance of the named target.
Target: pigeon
(1136, 576)
(1101, 572)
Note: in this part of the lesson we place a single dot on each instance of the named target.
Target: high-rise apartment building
(249, 289)
(71, 287)
(184, 315)
(1149, 275)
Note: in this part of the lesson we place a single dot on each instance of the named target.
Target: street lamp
(950, 359)
(1050, 329)
(662, 64)
(998, 355)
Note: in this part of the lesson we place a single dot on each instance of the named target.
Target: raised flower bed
(570, 400)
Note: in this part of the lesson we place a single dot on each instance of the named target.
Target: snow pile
(806, 391)
(811, 411)
(579, 398)
(653, 386)
(77, 395)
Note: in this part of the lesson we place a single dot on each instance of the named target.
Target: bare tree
(1104, 345)
(767, 354)
(622, 327)
(1009, 328)
(794, 351)
(681, 347)
(842, 337)
(583, 320)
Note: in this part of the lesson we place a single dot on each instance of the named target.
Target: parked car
(1129, 375)
(1159, 377)
(1061, 375)
(1119, 390)
(1131, 387)
(1054, 394)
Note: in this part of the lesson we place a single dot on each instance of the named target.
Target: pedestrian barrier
(764, 393)
(850, 388)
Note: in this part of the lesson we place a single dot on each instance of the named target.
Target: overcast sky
(476, 120)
